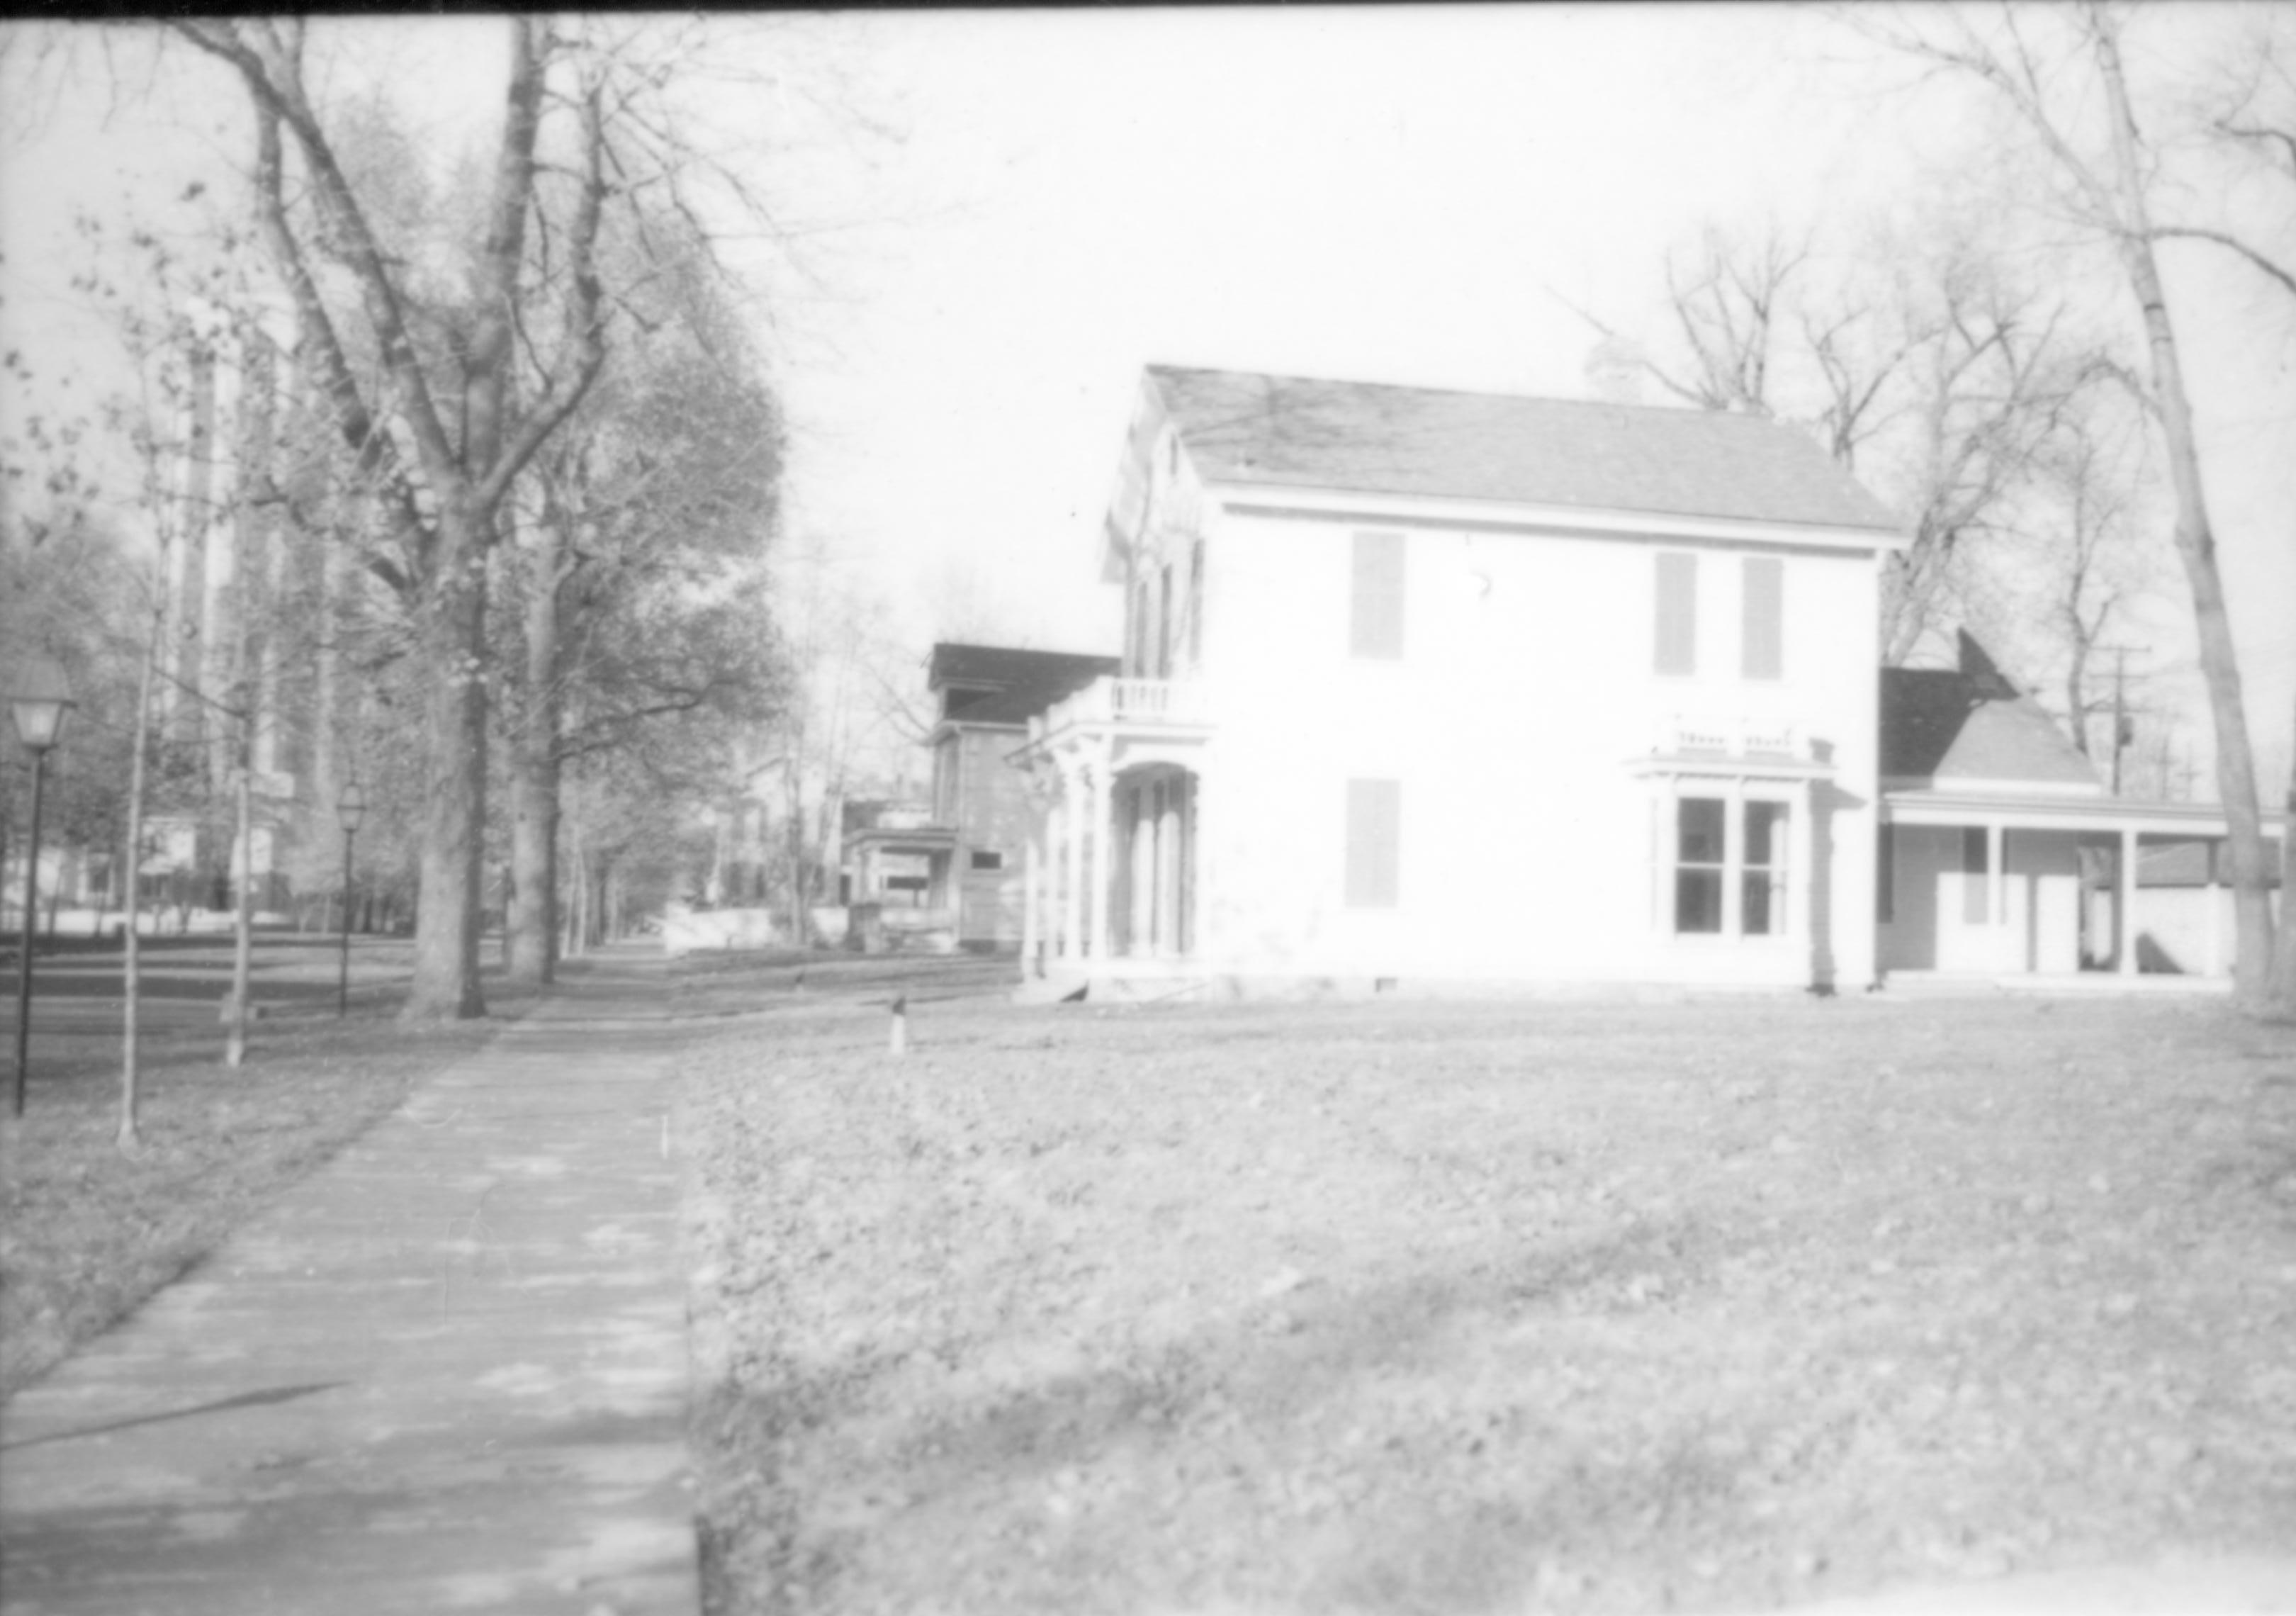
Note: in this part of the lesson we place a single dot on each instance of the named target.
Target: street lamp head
(350, 807)
(40, 697)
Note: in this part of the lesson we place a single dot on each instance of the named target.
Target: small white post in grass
(900, 1037)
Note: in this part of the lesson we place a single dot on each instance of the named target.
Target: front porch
(2039, 892)
(1112, 877)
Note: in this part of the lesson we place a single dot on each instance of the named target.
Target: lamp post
(350, 807)
(41, 699)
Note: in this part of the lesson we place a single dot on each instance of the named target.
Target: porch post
(1103, 817)
(1801, 873)
(1028, 881)
(1733, 858)
(1996, 881)
(2212, 912)
(1072, 859)
(1168, 870)
(2127, 903)
(1668, 831)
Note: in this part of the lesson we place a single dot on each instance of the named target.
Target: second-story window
(1678, 614)
(1762, 635)
(1375, 619)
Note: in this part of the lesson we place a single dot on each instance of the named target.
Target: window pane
(1698, 838)
(1974, 874)
(1754, 902)
(1698, 900)
(1376, 624)
(1678, 614)
(1764, 643)
(1766, 824)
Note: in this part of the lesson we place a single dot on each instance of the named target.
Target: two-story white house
(1424, 687)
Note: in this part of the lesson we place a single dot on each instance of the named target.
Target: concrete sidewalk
(447, 1371)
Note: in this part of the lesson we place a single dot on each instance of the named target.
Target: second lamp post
(350, 807)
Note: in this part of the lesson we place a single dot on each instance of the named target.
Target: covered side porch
(1111, 872)
(2033, 889)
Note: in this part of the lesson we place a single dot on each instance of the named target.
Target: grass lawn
(88, 1232)
(1446, 1308)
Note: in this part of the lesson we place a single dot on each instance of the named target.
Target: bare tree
(663, 490)
(1984, 386)
(440, 436)
(2044, 67)
(1918, 360)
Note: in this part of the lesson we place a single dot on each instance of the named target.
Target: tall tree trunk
(242, 946)
(448, 912)
(533, 920)
(2253, 974)
(2284, 961)
(131, 971)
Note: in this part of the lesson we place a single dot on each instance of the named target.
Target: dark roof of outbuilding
(1945, 724)
(1369, 438)
(1001, 685)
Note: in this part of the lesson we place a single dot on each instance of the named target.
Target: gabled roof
(1969, 723)
(1000, 684)
(1368, 438)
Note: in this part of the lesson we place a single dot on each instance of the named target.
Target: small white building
(1427, 687)
(2005, 857)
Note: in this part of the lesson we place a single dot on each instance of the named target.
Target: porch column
(1734, 859)
(1167, 869)
(1103, 818)
(1028, 894)
(1666, 822)
(1072, 858)
(2213, 914)
(1194, 920)
(2127, 903)
(1801, 870)
(1996, 896)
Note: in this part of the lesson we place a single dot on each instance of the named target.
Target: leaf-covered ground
(1436, 1308)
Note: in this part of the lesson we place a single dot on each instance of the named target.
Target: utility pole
(2123, 729)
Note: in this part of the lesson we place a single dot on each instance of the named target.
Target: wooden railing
(1737, 736)
(1113, 700)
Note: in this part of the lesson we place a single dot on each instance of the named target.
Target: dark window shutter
(1765, 618)
(1374, 838)
(1678, 614)
(1376, 618)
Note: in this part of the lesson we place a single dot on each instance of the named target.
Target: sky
(994, 220)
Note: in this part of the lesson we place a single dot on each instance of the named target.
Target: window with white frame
(1729, 867)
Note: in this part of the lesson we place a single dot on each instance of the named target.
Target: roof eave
(1591, 521)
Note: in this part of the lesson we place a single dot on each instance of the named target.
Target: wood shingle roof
(1370, 438)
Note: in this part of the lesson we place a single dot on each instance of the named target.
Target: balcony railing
(1111, 700)
(1735, 736)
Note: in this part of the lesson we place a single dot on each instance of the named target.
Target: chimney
(1614, 371)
